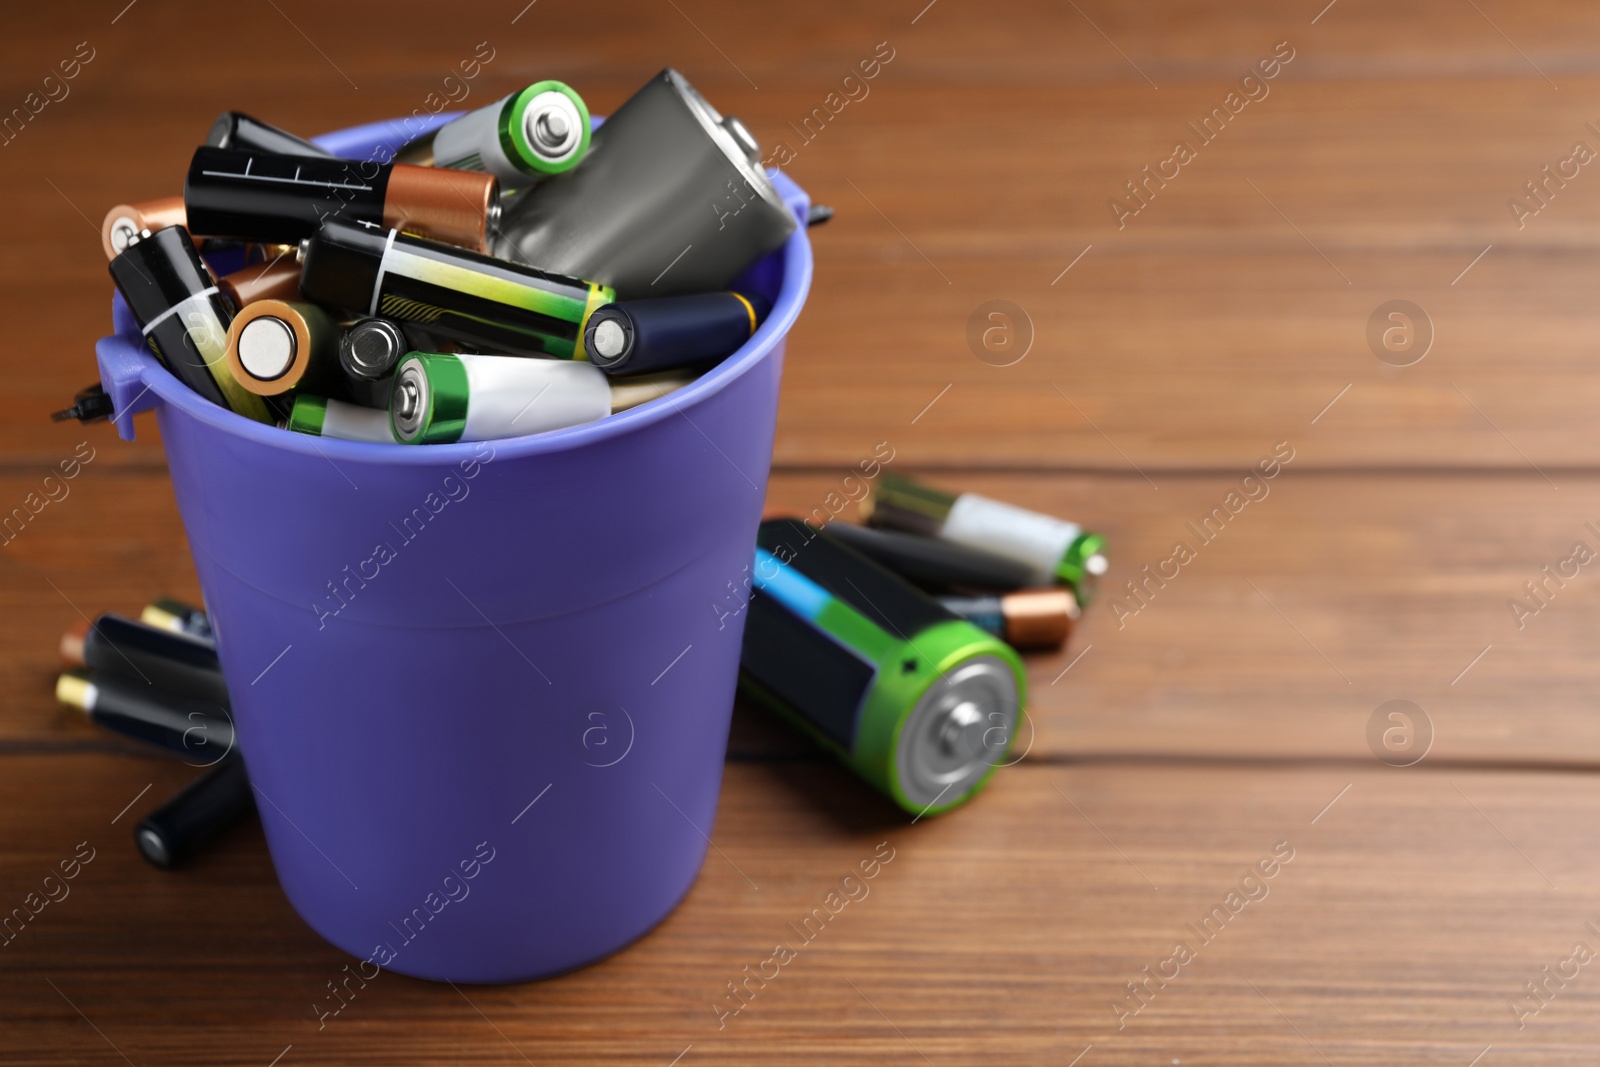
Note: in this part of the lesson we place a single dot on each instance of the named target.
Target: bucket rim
(791, 298)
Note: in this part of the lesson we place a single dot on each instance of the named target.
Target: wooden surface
(1170, 748)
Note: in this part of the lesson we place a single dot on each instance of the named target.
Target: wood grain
(1173, 746)
(1397, 933)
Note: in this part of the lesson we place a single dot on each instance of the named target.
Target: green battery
(1057, 550)
(920, 703)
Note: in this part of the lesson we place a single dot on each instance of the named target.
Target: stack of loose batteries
(513, 271)
(893, 644)
(157, 680)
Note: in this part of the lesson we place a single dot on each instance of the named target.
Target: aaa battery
(113, 645)
(275, 346)
(192, 728)
(439, 397)
(196, 816)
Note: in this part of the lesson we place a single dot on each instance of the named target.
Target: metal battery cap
(546, 129)
(267, 348)
(958, 731)
(609, 337)
(371, 348)
(1083, 565)
(731, 136)
(429, 401)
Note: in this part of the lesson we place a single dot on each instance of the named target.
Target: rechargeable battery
(448, 291)
(920, 703)
(275, 346)
(267, 196)
(174, 616)
(321, 416)
(184, 315)
(113, 645)
(194, 728)
(1030, 618)
(125, 222)
(644, 336)
(934, 564)
(1056, 550)
(520, 139)
(235, 129)
(196, 816)
(439, 397)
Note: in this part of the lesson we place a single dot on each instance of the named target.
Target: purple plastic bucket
(482, 690)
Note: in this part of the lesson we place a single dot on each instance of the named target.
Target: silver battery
(958, 731)
(670, 199)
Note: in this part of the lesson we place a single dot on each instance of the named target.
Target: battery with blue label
(920, 703)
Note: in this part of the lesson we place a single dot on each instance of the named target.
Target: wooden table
(1174, 748)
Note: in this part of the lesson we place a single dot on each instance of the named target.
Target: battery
(632, 392)
(279, 280)
(235, 129)
(671, 199)
(193, 728)
(125, 222)
(174, 616)
(934, 564)
(439, 397)
(1056, 550)
(1031, 618)
(448, 291)
(320, 416)
(520, 139)
(642, 336)
(275, 346)
(371, 348)
(920, 703)
(184, 315)
(196, 816)
(146, 655)
(271, 197)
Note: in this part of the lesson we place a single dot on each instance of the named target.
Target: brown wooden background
(1221, 719)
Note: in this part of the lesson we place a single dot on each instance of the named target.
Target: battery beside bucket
(482, 690)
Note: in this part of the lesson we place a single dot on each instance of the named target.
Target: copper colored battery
(126, 220)
(277, 281)
(275, 346)
(459, 206)
(1028, 618)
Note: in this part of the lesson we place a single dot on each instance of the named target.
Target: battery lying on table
(921, 703)
(1057, 550)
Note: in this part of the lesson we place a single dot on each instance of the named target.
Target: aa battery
(275, 346)
(125, 222)
(371, 348)
(920, 703)
(439, 397)
(174, 616)
(267, 196)
(184, 315)
(195, 817)
(1056, 550)
(113, 645)
(279, 280)
(642, 336)
(1032, 618)
(236, 130)
(670, 199)
(447, 291)
(520, 139)
(932, 563)
(320, 416)
(196, 729)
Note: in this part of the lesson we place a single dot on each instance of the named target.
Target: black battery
(670, 332)
(185, 316)
(235, 129)
(277, 198)
(449, 291)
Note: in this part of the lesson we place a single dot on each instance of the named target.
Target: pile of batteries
(510, 272)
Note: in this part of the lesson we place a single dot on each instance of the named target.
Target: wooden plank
(1413, 909)
(1315, 605)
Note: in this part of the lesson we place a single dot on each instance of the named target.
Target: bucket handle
(125, 370)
